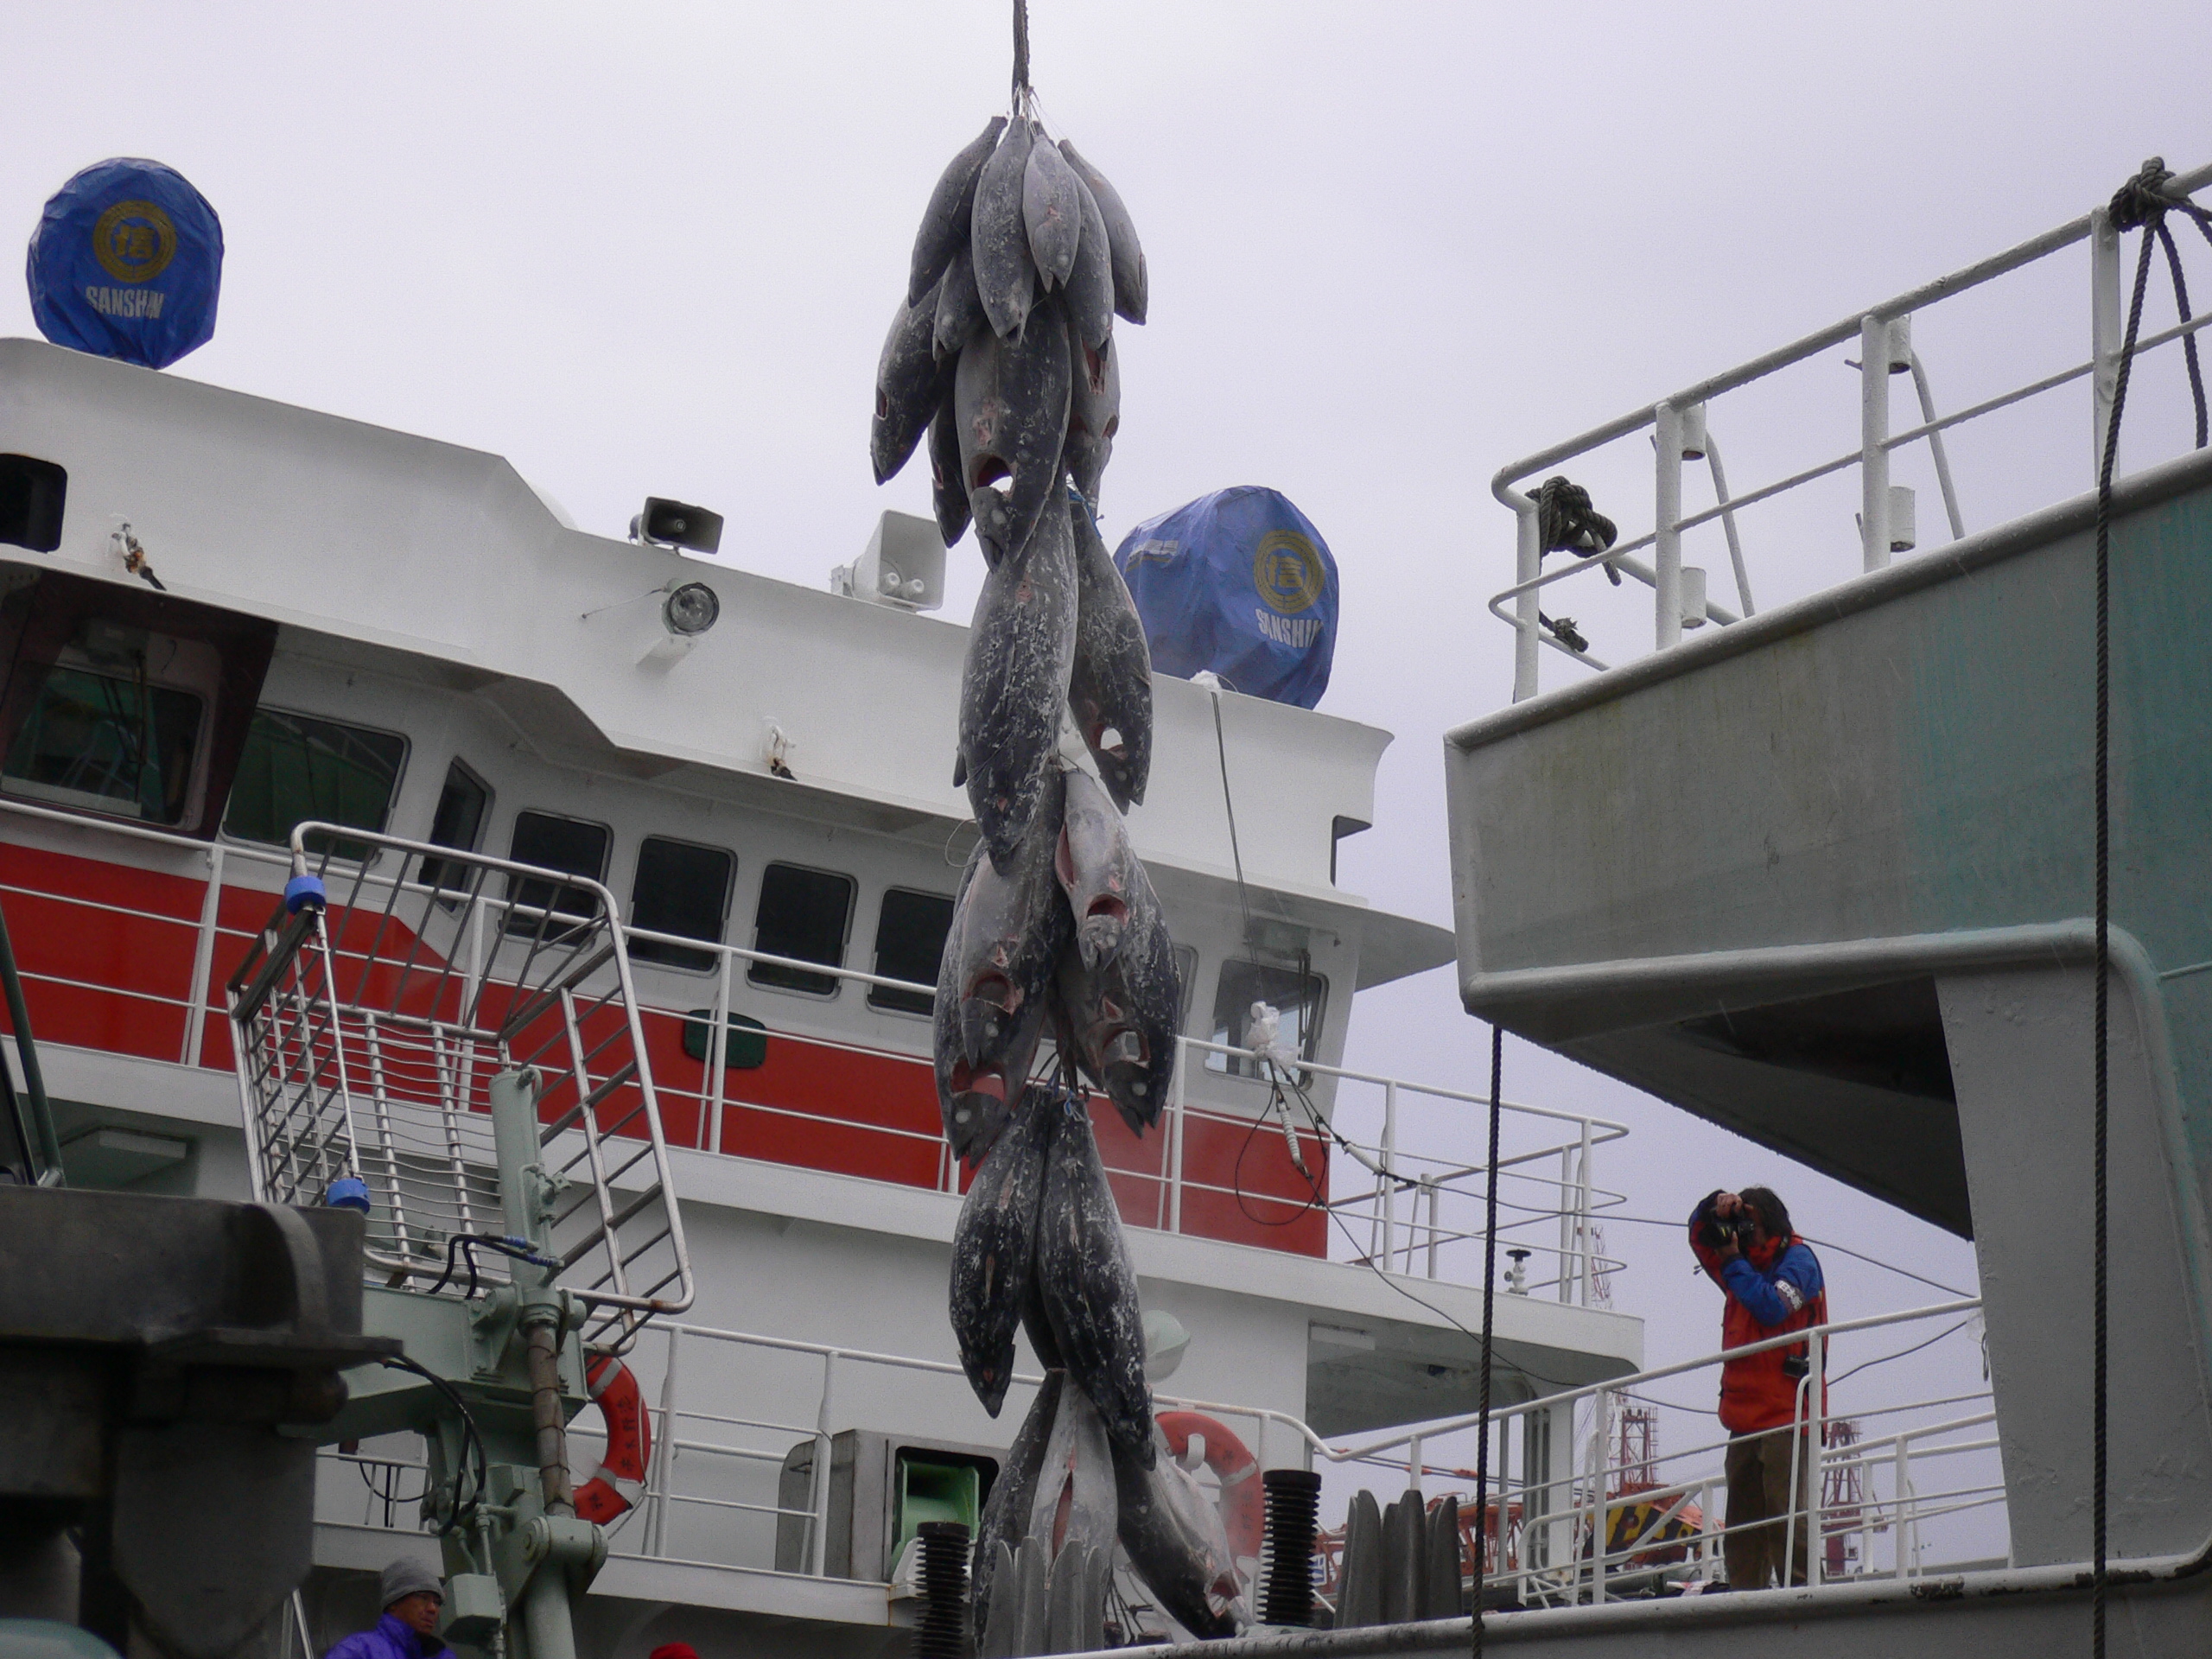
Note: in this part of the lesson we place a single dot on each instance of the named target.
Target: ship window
(1298, 996)
(108, 743)
(680, 889)
(297, 767)
(1186, 975)
(31, 496)
(463, 806)
(551, 844)
(909, 943)
(805, 914)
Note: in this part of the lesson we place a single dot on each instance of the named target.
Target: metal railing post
(1582, 1217)
(1600, 1464)
(1435, 1195)
(1412, 1463)
(818, 1554)
(1728, 523)
(1815, 1451)
(1873, 441)
(717, 1057)
(1528, 565)
(1387, 1182)
(1175, 1133)
(1565, 1274)
(203, 958)
(664, 1452)
(1903, 1478)
(1667, 536)
(2106, 335)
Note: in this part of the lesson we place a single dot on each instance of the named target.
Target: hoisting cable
(2137, 205)
(1020, 57)
(1490, 1298)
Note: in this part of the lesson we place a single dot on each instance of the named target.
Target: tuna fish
(1124, 1012)
(945, 221)
(1021, 653)
(1088, 1286)
(1006, 275)
(1073, 1507)
(1097, 869)
(959, 308)
(947, 494)
(1052, 212)
(995, 1248)
(1005, 1520)
(1011, 397)
(1110, 682)
(1094, 413)
(1090, 281)
(1128, 253)
(1175, 1540)
(910, 384)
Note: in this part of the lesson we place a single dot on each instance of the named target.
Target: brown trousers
(1758, 1491)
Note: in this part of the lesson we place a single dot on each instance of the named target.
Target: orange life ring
(1244, 1510)
(620, 1480)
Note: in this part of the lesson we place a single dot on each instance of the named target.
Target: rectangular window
(106, 743)
(463, 804)
(680, 889)
(552, 843)
(1299, 997)
(908, 943)
(297, 767)
(805, 914)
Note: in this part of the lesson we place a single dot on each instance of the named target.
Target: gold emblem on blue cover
(1286, 571)
(134, 241)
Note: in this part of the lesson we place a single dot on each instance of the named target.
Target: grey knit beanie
(406, 1577)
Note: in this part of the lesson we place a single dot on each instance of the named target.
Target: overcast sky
(653, 249)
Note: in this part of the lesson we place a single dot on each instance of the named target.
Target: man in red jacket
(1773, 1284)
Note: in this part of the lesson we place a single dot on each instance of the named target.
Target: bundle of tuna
(1003, 354)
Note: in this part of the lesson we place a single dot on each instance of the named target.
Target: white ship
(223, 617)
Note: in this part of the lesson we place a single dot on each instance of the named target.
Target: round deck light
(690, 609)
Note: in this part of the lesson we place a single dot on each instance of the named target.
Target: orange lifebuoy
(620, 1480)
(1243, 1511)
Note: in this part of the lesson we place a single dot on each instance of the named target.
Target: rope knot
(2142, 200)
(1567, 522)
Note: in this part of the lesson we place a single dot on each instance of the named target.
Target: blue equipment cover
(1240, 583)
(126, 262)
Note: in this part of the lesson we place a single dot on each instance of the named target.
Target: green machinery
(451, 1043)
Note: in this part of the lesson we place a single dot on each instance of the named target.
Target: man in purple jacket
(411, 1595)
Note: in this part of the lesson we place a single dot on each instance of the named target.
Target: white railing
(1387, 1154)
(1570, 1534)
(1681, 429)
(1576, 1523)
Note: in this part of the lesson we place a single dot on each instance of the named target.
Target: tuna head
(1123, 1014)
(1094, 413)
(1097, 869)
(945, 224)
(1013, 685)
(1087, 1286)
(910, 384)
(1011, 926)
(977, 1088)
(1011, 399)
(1176, 1544)
(1110, 682)
(994, 1248)
(947, 494)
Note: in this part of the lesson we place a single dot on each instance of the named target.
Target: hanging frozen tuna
(127, 262)
(1001, 351)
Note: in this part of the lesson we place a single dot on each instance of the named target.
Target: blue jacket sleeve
(1773, 1296)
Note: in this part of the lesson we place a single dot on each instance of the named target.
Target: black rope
(1020, 57)
(1490, 1297)
(1567, 523)
(2136, 205)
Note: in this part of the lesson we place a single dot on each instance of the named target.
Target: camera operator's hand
(1727, 1204)
(1728, 1207)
